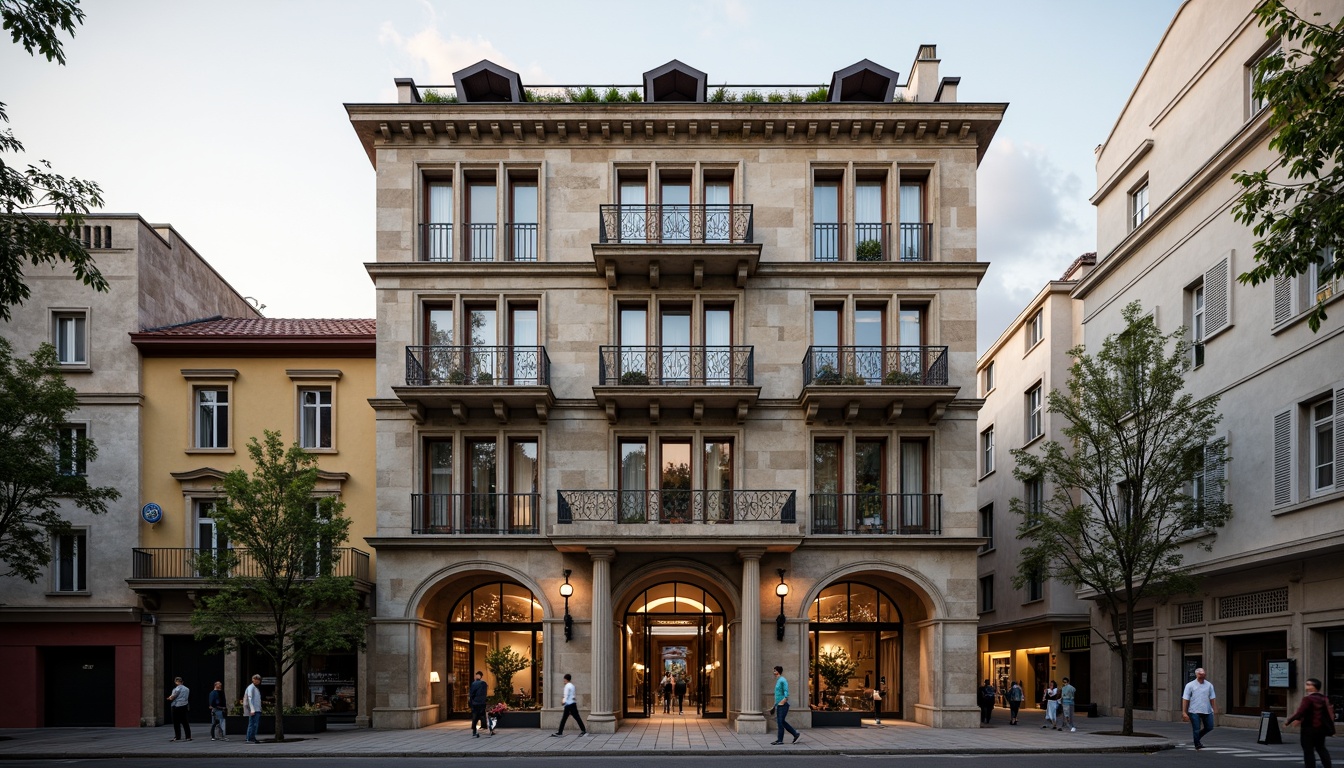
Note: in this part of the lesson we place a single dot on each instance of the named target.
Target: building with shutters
(677, 384)
(1271, 585)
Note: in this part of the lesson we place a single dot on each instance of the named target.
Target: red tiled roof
(265, 326)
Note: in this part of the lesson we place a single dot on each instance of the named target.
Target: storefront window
(330, 680)
(1248, 674)
(1143, 676)
(1334, 670)
(496, 629)
(855, 650)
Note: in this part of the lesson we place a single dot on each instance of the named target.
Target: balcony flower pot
(868, 250)
(484, 378)
(634, 378)
(456, 376)
(827, 375)
(898, 378)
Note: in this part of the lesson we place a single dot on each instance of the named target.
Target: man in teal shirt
(782, 707)
(1066, 697)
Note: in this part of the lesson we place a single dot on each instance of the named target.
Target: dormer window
(675, 81)
(486, 81)
(863, 81)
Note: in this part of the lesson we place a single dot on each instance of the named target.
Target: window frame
(80, 316)
(80, 538)
(1035, 587)
(1034, 425)
(310, 380)
(1195, 297)
(78, 458)
(988, 378)
(1253, 105)
(987, 527)
(1139, 204)
(1035, 328)
(985, 593)
(199, 380)
(1316, 425)
(987, 451)
(1033, 500)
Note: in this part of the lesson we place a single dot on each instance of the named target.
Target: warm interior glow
(433, 677)
(695, 605)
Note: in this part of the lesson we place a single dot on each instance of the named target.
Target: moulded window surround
(69, 334)
(437, 243)
(69, 562)
(211, 409)
(1138, 205)
(315, 408)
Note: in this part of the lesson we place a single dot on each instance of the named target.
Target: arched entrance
(675, 629)
(495, 628)
(855, 647)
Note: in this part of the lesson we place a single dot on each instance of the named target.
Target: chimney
(923, 83)
(407, 93)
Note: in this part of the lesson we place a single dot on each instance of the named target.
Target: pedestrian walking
(252, 708)
(987, 695)
(571, 709)
(1318, 721)
(178, 709)
(1067, 694)
(1015, 698)
(781, 708)
(218, 710)
(476, 698)
(665, 687)
(680, 689)
(1197, 706)
(1050, 700)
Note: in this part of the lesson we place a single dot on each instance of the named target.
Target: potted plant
(634, 378)
(899, 377)
(456, 376)
(869, 250)
(484, 377)
(835, 667)
(853, 380)
(826, 374)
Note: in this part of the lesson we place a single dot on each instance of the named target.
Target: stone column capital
(602, 553)
(751, 553)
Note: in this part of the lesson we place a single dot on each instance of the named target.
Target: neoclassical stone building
(680, 353)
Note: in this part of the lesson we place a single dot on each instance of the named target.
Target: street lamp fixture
(782, 590)
(566, 590)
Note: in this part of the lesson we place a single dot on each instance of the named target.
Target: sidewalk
(656, 736)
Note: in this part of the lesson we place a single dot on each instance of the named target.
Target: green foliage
(1294, 206)
(820, 94)
(613, 96)
(586, 95)
(835, 668)
(1118, 511)
(827, 374)
(504, 663)
(753, 97)
(431, 96)
(630, 378)
(634, 96)
(898, 377)
(286, 602)
(868, 250)
(50, 237)
(35, 461)
(721, 95)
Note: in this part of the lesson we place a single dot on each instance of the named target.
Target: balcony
(877, 514)
(520, 241)
(889, 379)
(677, 377)
(460, 378)
(176, 566)
(475, 514)
(688, 240)
(649, 519)
(871, 242)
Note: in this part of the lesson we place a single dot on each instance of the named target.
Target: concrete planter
(294, 724)
(826, 719)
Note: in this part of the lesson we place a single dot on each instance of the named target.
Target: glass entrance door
(675, 654)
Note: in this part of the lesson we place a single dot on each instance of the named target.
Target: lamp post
(782, 590)
(566, 590)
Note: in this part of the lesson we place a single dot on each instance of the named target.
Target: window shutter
(1218, 296)
(1339, 438)
(1215, 474)
(1285, 489)
(1283, 299)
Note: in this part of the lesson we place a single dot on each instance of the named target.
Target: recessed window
(70, 450)
(986, 594)
(987, 451)
(1033, 500)
(1035, 586)
(1034, 399)
(71, 562)
(212, 417)
(1254, 78)
(1320, 286)
(1138, 206)
(522, 225)
(1323, 469)
(70, 338)
(438, 235)
(989, 377)
(987, 527)
(1196, 300)
(315, 417)
(1035, 329)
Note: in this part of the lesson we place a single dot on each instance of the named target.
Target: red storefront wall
(26, 684)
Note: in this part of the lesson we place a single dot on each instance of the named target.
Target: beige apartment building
(81, 627)
(1269, 611)
(1041, 632)
(677, 386)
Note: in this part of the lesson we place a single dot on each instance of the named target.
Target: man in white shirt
(252, 708)
(1197, 706)
(571, 710)
(178, 709)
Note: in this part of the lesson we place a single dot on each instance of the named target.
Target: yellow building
(209, 387)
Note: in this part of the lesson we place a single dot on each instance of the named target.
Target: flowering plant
(498, 709)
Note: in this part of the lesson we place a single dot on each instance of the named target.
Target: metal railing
(711, 366)
(480, 243)
(428, 365)
(475, 513)
(522, 241)
(181, 563)
(872, 242)
(904, 514)
(881, 366)
(676, 506)
(436, 243)
(675, 224)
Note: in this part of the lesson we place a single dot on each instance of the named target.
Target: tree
(1140, 475)
(277, 591)
(49, 237)
(1300, 220)
(41, 464)
(836, 667)
(504, 662)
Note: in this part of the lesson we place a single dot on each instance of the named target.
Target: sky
(226, 119)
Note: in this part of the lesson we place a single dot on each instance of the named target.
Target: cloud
(434, 59)
(1034, 220)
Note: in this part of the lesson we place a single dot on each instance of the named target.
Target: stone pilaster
(750, 718)
(601, 716)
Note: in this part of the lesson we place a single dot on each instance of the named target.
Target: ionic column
(602, 718)
(749, 716)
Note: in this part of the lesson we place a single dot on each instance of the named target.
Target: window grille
(1142, 620)
(1253, 603)
(1190, 613)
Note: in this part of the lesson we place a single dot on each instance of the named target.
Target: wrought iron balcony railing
(905, 514)
(670, 366)
(522, 241)
(436, 242)
(429, 365)
(882, 366)
(179, 563)
(475, 513)
(871, 242)
(676, 506)
(675, 224)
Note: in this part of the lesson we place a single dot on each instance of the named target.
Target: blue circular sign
(151, 512)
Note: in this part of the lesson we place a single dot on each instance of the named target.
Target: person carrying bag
(1318, 721)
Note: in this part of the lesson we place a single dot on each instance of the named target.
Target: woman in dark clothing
(1318, 721)
(987, 695)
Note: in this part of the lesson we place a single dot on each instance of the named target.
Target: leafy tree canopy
(1295, 206)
